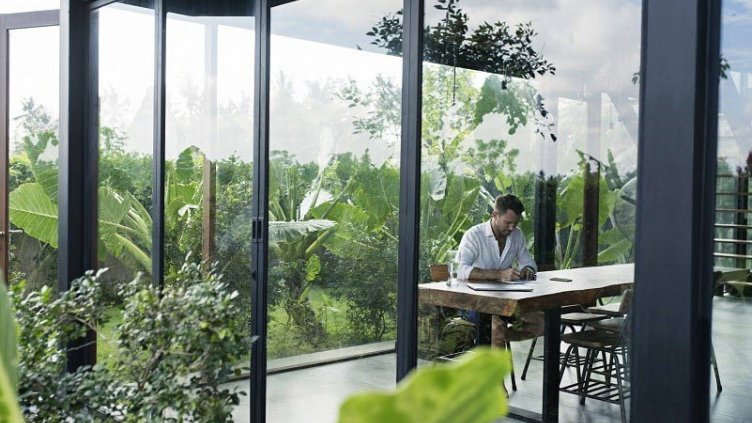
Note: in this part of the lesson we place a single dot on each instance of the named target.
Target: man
(489, 251)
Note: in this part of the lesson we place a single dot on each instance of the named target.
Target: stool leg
(715, 368)
(590, 356)
(564, 363)
(529, 357)
(622, 408)
(514, 382)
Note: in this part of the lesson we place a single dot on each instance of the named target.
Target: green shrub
(9, 411)
(176, 347)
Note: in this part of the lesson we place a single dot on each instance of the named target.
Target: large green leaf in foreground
(33, 211)
(464, 392)
(9, 411)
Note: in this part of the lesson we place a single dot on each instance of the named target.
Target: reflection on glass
(33, 149)
(334, 203)
(733, 220)
(126, 116)
(209, 148)
(535, 101)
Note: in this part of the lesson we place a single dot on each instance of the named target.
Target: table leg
(484, 329)
(552, 341)
(551, 348)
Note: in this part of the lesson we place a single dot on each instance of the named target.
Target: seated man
(488, 251)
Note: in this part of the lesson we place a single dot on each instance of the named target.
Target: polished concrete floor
(314, 395)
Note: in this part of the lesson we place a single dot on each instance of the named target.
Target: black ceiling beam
(189, 7)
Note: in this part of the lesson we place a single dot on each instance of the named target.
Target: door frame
(10, 22)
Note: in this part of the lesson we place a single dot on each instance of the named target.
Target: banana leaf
(31, 210)
(615, 252)
(124, 225)
(352, 225)
(289, 232)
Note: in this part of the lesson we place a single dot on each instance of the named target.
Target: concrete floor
(314, 395)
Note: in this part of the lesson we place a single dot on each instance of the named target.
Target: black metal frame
(260, 226)
(674, 238)
(409, 212)
(77, 192)
(158, 176)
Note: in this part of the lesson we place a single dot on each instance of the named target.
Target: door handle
(12, 231)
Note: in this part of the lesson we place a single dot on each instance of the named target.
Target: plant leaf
(464, 392)
(9, 411)
(280, 232)
(31, 210)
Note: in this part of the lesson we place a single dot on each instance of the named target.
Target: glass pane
(333, 208)
(18, 6)
(33, 148)
(733, 257)
(126, 131)
(209, 150)
(537, 101)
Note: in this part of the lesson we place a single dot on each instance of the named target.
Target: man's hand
(527, 273)
(510, 274)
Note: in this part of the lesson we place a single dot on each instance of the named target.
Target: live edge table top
(587, 285)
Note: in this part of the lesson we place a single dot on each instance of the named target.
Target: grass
(283, 339)
(106, 341)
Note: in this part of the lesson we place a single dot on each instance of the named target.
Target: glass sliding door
(333, 207)
(126, 133)
(730, 367)
(209, 151)
(30, 232)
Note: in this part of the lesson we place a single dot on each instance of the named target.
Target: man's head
(506, 214)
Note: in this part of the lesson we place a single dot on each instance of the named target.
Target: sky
(594, 44)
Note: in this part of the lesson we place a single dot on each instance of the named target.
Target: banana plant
(295, 242)
(447, 205)
(570, 199)
(124, 224)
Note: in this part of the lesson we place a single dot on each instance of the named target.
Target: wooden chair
(573, 317)
(609, 339)
(595, 379)
(616, 325)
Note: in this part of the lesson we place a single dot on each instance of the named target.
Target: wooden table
(588, 284)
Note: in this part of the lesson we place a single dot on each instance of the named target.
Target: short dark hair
(509, 202)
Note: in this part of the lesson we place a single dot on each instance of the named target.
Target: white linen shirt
(480, 249)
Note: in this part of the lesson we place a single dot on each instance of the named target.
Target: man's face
(504, 223)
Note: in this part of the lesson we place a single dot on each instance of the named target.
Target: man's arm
(524, 259)
(468, 254)
(501, 275)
